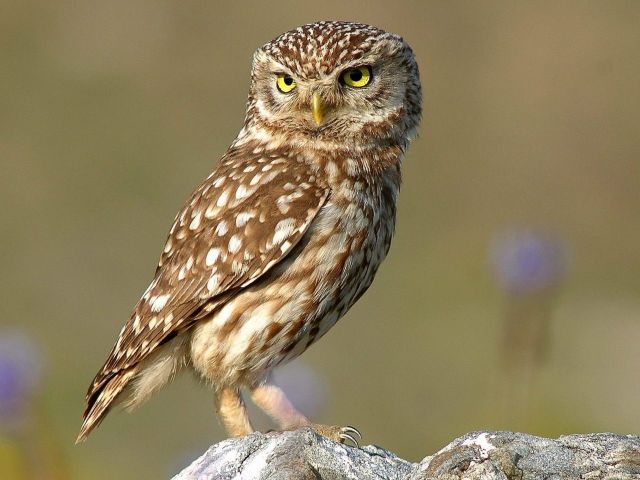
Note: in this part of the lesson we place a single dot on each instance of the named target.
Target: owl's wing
(244, 218)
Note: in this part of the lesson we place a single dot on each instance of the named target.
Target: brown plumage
(285, 234)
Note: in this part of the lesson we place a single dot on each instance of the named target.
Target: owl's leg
(233, 412)
(274, 402)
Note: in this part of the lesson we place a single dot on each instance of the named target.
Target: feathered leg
(233, 412)
(274, 402)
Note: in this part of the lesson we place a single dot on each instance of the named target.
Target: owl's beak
(317, 109)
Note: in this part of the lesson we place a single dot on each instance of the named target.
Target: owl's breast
(346, 244)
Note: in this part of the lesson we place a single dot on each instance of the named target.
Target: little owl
(285, 234)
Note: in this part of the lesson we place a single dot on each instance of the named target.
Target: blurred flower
(530, 266)
(20, 374)
(527, 262)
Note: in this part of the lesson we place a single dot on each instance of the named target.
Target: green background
(112, 111)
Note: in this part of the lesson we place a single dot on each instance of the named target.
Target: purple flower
(527, 262)
(20, 372)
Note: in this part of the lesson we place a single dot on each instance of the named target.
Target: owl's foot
(338, 434)
(273, 401)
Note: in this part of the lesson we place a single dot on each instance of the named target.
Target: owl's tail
(99, 403)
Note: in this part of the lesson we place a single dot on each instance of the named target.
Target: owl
(285, 234)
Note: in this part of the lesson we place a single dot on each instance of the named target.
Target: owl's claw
(350, 433)
(338, 434)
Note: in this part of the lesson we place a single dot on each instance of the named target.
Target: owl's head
(335, 82)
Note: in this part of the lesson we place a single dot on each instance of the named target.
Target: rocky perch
(303, 454)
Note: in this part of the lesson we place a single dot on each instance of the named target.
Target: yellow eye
(357, 77)
(285, 83)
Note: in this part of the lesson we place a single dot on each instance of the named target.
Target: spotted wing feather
(245, 217)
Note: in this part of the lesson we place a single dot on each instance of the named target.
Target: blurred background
(509, 300)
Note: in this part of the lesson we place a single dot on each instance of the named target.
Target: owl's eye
(356, 77)
(285, 83)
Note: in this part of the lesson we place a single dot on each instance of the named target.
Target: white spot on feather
(212, 284)
(241, 192)
(159, 302)
(212, 256)
(234, 243)
(285, 246)
(238, 267)
(222, 228)
(283, 207)
(243, 217)
(182, 273)
(211, 211)
(256, 178)
(136, 325)
(195, 223)
(222, 199)
(284, 229)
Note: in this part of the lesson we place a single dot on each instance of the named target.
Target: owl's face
(335, 81)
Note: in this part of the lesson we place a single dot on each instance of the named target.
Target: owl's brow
(368, 60)
(276, 68)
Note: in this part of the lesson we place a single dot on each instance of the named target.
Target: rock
(507, 455)
(299, 454)
(303, 454)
